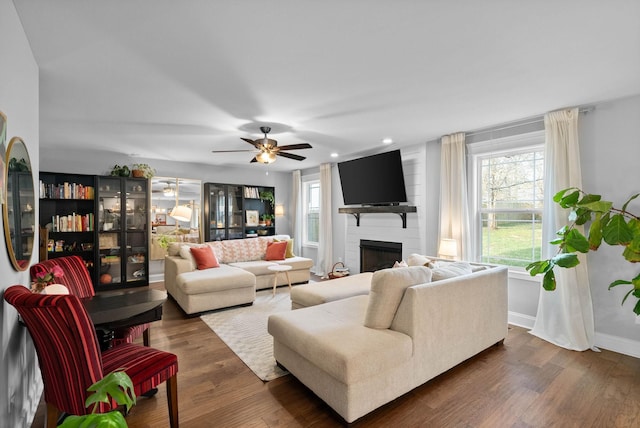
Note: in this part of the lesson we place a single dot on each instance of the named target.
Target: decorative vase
(138, 173)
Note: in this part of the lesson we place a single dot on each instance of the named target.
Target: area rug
(244, 330)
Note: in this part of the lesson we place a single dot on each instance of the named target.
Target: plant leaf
(630, 255)
(598, 206)
(618, 282)
(624, 207)
(558, 196)
(588, 198)
(570, 200)
(549, 281)
(116, 384)
(541, 266)
(567, 260)
(595, 233)
(113, 419)
(617, 232)
(575, 241)
(636, 309)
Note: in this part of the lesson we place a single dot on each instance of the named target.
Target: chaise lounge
(361, 352)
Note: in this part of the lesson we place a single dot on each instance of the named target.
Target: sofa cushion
(218, 250)
(328, 291)
(289, 252)
(185, 253)
(332, 337)
(445, 270)
(387, 289)
(276, 250)
(244, 250)
(296, 263)
(225, 278)
(204, 257)
(256, 267)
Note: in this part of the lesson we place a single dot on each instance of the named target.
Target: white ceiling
(173, 80)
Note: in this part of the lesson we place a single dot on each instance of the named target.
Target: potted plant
(267, 195)
(615, 226)
(120, 171)
(142, 170)
(116, 385)
(267, 219)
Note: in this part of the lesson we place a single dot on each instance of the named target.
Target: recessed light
(334, 155)
(387, 140)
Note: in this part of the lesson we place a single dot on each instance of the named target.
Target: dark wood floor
(524, 383)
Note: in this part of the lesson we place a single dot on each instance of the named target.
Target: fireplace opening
(376, 255)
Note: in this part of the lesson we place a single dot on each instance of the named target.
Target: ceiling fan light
(266, 157)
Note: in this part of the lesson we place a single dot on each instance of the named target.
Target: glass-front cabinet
(123, 226)
(234, 211)
(224, 211)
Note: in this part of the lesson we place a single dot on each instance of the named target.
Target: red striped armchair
(78, 280)
(70, 358)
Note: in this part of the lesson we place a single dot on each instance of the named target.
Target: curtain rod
(520, 122)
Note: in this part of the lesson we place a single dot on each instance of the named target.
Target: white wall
(610, 150)
(20, 381)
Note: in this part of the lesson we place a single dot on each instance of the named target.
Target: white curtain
(296, 212)
(325, 245)
(454, 213)
(565, 316)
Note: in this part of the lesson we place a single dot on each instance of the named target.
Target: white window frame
(306, 182)
(522, 143)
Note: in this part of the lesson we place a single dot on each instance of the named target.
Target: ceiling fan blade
(291, 156)
(296, 146)
(230, 151)
(253, 143)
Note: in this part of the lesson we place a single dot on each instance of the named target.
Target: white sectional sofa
(360, 352)
(243, 270)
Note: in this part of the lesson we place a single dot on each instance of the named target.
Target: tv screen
(373, 180)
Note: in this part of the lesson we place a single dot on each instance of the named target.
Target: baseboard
(521, 320)
(158, 277)
(617, 344)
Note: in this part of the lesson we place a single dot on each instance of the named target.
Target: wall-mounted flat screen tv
(373, 180)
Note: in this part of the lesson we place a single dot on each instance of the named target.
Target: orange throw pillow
(205, 257)
(276, 250)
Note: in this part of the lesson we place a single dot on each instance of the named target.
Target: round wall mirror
(18, 212)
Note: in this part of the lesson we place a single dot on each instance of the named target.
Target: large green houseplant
(117, 385)
(614, 226)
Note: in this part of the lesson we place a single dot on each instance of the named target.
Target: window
(311, 212)
(509, 192)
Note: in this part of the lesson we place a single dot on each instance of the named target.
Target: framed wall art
(252, 217)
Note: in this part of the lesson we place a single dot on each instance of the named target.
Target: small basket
(338, 274)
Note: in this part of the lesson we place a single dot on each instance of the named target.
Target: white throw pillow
(185, 253)
(418, 260)
(387, 290)
(445, 270)
(401, 263)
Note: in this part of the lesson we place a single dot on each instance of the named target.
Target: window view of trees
(511, 198)
(311, 218)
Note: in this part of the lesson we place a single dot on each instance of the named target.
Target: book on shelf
(66, 190)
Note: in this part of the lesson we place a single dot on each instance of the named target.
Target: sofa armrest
(174, 266)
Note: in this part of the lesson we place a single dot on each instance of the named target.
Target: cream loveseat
(243, 270)
(361, 352)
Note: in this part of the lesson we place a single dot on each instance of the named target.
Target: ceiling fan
(268, 149)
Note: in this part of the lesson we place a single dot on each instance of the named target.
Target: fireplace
(376, 255)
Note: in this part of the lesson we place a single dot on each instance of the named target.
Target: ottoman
(317, 293)
(205, 290)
